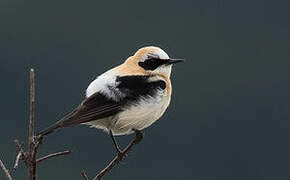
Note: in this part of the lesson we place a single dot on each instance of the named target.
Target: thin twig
(31, 112)
(5, 170)
(53, 155)
(31, 151)
(84, 175)
(38, 142)
(120, 156)
(19, 146)
(20, 156)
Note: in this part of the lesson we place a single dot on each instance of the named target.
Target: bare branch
(31, 114)
(53, 155)
(19, 146)
(120, 156)
(31, 149)
(38, 142)
(29, 156)
(5, 170)
(84, 175)
(18, 157)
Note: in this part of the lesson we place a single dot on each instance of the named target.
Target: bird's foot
(122, 155)
(120, 152)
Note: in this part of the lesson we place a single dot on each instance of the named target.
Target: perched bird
(127, 98)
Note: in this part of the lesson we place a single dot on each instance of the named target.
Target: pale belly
(137, 116)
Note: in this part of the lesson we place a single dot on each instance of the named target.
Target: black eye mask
(152, 63)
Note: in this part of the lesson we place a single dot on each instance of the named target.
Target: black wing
(95, 107)
(136, 87)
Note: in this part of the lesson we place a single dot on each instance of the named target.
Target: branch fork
(29, 157)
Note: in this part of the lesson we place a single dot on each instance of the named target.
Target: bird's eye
(151, 64)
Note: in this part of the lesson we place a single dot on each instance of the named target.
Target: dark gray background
(229, 116)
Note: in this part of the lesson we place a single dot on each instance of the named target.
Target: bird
(127, 98)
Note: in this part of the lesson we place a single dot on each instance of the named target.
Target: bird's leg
(122, 154)
(115, 143)
(139, 136)
(136, 140)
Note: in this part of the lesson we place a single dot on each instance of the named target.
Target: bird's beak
(174, 61)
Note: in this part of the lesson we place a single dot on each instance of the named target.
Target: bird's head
(153, 60)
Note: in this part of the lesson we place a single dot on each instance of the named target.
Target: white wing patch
(105, 84)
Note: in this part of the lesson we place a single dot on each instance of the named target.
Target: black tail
(64, 122)
(49, 130)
